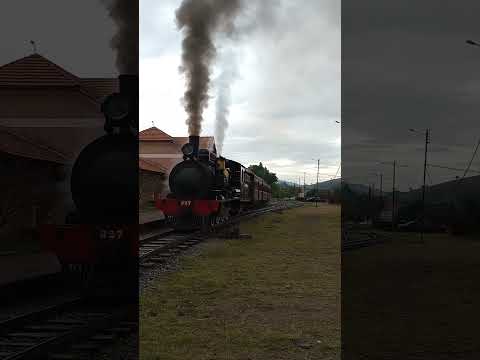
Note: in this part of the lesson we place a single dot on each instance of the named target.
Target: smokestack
(195, 141)
(121, 108)
(128, 84)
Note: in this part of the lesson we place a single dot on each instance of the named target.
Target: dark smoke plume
(201, 20)
(125, 15)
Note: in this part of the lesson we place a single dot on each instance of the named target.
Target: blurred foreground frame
(69, 183)
(410, 180)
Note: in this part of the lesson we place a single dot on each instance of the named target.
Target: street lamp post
(427, 134)
(304, 193)
(316, 186)
(393, 196)
(318, 170)
(471, 42)
(381, 184)
(395, 165)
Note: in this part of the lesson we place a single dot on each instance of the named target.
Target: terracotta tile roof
(35, 70)
(68, 141)
(165, 150)
(152, 165)
(100, 88)
(48, 113)
(166, 163)
(206, 142)
(154, 134)
(18, 145)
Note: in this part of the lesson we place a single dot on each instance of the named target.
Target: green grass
(409, 299)
(275, 296)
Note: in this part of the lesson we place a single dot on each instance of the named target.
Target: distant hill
(443, 192)
(324, 185)
(447, 191)
(357, 188)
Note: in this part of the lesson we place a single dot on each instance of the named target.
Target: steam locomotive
(101, 233)
(206, 189)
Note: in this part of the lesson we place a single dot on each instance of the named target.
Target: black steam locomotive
(207, 189)
(102, 232)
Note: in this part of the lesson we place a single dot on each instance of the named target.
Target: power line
(454, 169)
(336, 173)
(471, 160)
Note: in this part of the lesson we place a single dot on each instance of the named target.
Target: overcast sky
(286, 96)
(74, 34)
(406, 65)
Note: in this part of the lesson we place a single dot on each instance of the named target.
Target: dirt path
(274, 296)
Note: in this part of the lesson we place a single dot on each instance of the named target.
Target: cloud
(406, 65)
(286, 97)
(73, 34)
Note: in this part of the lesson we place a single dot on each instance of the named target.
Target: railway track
(163, 247)
(79, 328)
(352, 240)
(71, 330)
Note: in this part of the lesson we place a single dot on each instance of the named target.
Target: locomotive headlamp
(187, 149)
(116, 106)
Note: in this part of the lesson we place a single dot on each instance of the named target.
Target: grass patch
(275, 296)
(409, 299)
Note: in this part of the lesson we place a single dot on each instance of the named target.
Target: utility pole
(423, 188)
(381, 184)
(304, 194)
(395, 165)
(318, 170)
(393, 196)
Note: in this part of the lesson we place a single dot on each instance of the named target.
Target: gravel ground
(33, 299)
(124, 349)
(148, 274)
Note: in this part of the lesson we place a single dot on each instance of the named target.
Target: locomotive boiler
(206, 189)
(102, 230)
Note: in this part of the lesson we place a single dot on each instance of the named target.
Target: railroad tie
(86, 347)
(102, 338)
(193, 241)
(66, 322)
(160, 258)
(130, 324)
(121, 330)
(63, 357)
(57, 328)
(32, 335)
(17, 343)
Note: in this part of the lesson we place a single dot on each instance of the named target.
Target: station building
(47, 116)
(164, 151)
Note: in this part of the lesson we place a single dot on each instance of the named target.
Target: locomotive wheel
(205, 223)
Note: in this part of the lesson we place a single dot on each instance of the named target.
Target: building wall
(158, 147)
(151, 185)
(31, 192)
